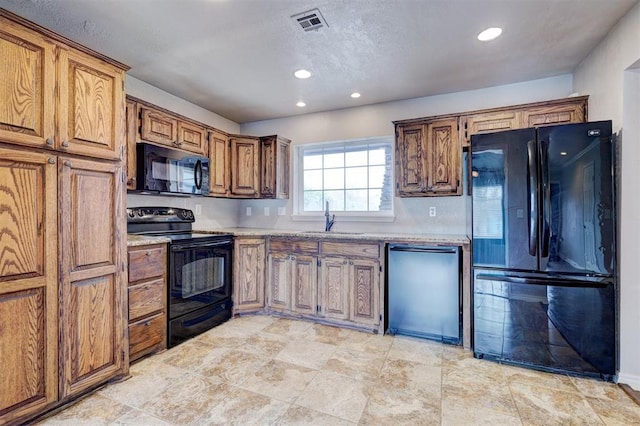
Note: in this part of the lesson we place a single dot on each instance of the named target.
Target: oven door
(200, 275)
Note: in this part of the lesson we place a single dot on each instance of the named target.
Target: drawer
(147, 262)
(350, 249)
(294, 245)
(147, 335)
(146, 298)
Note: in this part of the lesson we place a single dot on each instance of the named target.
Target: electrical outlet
(248, 211)
(432, 211)
(198, 209)
(267, 212)
(282, 211)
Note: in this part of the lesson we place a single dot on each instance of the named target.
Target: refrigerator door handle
(546, 198)
(547, 281)
(532, 185)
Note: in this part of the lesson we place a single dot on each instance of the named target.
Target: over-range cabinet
(544, 248)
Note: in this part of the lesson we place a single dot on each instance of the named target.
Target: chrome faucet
(328, 224)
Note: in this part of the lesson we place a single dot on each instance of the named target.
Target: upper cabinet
(219, 175)
(85, 115)
(428, 158)
(429, 150)
(165, 128)
(245, 161)
(274, 167)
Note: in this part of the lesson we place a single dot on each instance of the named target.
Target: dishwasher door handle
(424, 249)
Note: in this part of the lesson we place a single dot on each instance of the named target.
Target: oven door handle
(179, 247)
(546, 281)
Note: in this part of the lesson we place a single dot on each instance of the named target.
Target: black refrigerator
(544, 248)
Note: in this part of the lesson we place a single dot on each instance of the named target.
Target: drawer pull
(147, 323)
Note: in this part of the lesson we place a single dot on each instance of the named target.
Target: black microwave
(170, 170)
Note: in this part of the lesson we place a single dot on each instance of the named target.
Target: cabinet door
(334, 287)
(91, 105)
(304, 286)
(487, 123)
(93, 294)
(192, 138)
(27, 74)
(274, 167)
(158, 127)
(283, 173)
(218, 164)
(365, 291)
(28, 283)
(132, 132)
(411, 164)
(279, 283)
(248, 271)
(244, 166)
(554, 114)
(444, 152)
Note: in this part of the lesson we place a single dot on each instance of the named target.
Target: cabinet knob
(147, 323)
(350, 263)
(344, 262)
(51, 161)
(67, 163)
(65, 144)
(49, 141)
(147, 254)
(293, 258)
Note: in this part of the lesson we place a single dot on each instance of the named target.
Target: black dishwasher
(423, 292)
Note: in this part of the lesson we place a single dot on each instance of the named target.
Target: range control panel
(159, 214)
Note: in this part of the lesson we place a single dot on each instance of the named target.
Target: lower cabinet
(147, 300)
(335, 282)
(249, 260)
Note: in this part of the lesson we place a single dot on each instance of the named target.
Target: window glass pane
(312, 179)
(335, 199)
(376, 176)
(356, 200)
(312, 161)
(356, 158)
(374, 199)
(334, 160)
(377, 156)
(313, 201)
(334, 179)
(356, 177)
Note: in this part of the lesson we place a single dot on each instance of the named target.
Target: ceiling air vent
(310, 20)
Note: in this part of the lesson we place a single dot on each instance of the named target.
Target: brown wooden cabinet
(58, 97)
(245, 163)
(334, 285)
(92, 293)
(292, 283)
(29, 283)
(165, 128)
(428, 158)
(249, 274)
(274, 167)
(486, 123)
(147, 300)
(219, 162)
(62, 298)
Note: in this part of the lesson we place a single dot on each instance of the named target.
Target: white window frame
(298, 175)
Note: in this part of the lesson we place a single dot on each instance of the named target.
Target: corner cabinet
(63, 292)
(249, 261)
(428, 158)
(274, 167)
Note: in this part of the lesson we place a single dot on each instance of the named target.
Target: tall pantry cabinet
(62, 226)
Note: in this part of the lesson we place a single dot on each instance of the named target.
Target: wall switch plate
(282, 211)
(267, 211)
(432, 211)
(248, 211)
(198, 209)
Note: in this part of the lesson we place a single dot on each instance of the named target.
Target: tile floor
(261, 370)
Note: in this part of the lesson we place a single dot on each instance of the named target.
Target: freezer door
(505, 199)
(577, 232)
(549, 323)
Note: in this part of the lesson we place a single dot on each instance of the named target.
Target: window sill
(344, 217)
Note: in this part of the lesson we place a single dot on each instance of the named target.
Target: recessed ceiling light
(489, 34)
(302, 74)
(355, 95)
(301, 104)
(563, 152)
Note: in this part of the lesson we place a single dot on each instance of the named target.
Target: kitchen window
(355, 177)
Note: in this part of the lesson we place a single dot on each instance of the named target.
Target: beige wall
(610, 74)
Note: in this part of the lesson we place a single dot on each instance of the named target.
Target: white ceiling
(237, 57)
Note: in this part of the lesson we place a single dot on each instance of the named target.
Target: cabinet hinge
(317, 308)
(123, 176)
(380, 317)
(123, 85)
(379, 268)
(319, 262)
(122, 266)
(122, 355)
